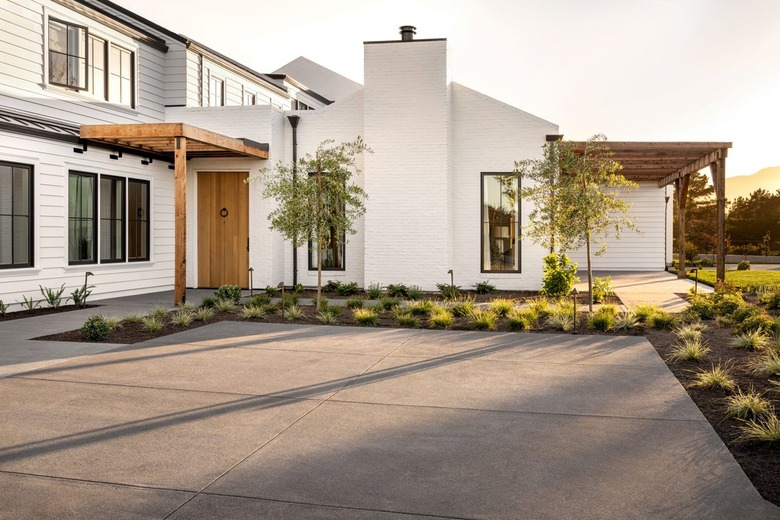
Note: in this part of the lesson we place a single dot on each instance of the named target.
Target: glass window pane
(81, 223)
(21, 240)
(138, 220)
(58, 68)
(6, 240)
(15, 221)
(500, 225)
(6, 190)
(21, 191)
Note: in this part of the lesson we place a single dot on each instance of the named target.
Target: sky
(634, 70)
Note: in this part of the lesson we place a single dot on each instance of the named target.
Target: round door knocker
(223, 212)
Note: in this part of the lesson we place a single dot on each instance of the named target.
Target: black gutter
(294, 124)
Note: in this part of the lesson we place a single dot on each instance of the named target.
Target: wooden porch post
(718, 171)
(681, 192)
(180, 227)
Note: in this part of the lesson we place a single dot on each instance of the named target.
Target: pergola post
(718, 171)
(681, 192)
(180, 227)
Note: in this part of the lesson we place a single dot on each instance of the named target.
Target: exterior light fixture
(452, 281)
(251, 284)
(696, 283)
(86, 277)
(574, 293)
(281, 286)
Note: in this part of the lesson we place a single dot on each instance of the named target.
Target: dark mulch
(760, 461)
(41, 311)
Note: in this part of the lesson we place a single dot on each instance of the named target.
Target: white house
(89, 180)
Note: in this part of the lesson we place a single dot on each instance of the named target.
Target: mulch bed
(41, 311)
(760, 461)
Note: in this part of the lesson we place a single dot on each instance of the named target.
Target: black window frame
(95, 218)
(91, 66)
(108, 67)
(482, 223)
(30, 217)
(147, 220)
(122, 181)
(68, 55)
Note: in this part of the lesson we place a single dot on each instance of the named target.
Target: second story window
(249, 99)
(97, 67)
(67, 55)
(216, 92)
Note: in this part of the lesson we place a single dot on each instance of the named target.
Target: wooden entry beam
(718, 171)
(180, 226)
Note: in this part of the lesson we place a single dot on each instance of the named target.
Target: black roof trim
(133, 30)
(307, 91)
(408, 41)
(249, 142)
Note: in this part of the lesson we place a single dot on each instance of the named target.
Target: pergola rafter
(673, 163)
(178, 142)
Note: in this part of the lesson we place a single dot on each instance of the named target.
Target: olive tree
(316, 198)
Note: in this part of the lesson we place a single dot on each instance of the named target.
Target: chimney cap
(408, 32)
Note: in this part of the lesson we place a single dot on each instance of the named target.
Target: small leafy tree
(316, 199)
(560, 275)
(544, 176)
(591, 202)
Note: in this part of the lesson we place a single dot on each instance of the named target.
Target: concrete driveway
(239, 420)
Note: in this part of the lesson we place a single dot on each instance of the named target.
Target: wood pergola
(179, 142)
(673, 163)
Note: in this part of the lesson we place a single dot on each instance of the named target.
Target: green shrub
(331, 286)
(772, 300)
(420, 308)
(520, 320)
(441, 318)
(688, 350)
(388, 304)
(204, 314)
(744, 265)
(661, 320)
(461, 307)
(397, 290)
(448, 292)
(702, 306)
(53, 297)
(484, 287)
(540, 308)
(298, 288)
(252, 312)
(765, 430)
(327, 317)
(292, 313)
(348, 289)
(501, 306)
(560, 321)
(482, 320)
(258, 300)
(747, 405)
(602, 319)
(153, 323)
(753, 340)
(560, 275)
(209, 302)
(159, 311)
(625, 321)
(415, 292)
(407, 320)
(768, 364)
(96, 328)
(132, 318)
(375, 291)
(290, 299)
(271, 291)
(225, 306)
(602, 287)
(688, 332)
(704, 262)
(80, 295)
(727, 302)
(718, 377)
(181, 318)
(365, 317)
(759, 322)
(355, 303)
(229, 292)
(645, 310)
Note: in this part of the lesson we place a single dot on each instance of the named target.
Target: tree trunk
(590, 273)
(319, 237)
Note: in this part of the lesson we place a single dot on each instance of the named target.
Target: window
(120, 78)
(67, 55)
(332, 254)
(299, 105)
(112, 221)
(137, 220)
(249, 99)
(216, 92)
(122, 230)
(16, 222)
(500, 225)
(82, 208)
(96, 68)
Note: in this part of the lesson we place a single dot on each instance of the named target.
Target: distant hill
(744, 185)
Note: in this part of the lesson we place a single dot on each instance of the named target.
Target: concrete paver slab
(241, 370)
(209, 507)
(35, 498)
(137, 436)
(477, 464)
(604, 390)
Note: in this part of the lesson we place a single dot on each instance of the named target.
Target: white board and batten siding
(633, 251)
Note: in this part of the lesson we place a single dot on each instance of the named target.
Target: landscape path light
(452, 282)
(696, 283)
(281, 286)
(86, 277)
(251, 283)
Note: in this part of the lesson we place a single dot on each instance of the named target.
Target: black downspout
(294, 123)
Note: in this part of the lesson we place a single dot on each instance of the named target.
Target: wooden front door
(223, 229)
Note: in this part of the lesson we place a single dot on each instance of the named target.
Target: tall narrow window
(249, 99)
(137, 220)
(67, 55)
(500, 223)
(96, 69)
(16, 221)
(216, 92)
(82, 224)
(120, 78)
(112, 219)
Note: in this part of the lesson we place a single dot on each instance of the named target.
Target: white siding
(235, 85)
(51, 162)
(636, 252)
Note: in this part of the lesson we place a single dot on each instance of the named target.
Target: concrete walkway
(243, 420)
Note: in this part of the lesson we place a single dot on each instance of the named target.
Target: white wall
(636, 252)
(51, 162)
(489, 136)
(406, 116)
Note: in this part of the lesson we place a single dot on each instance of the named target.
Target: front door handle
(223, 212)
